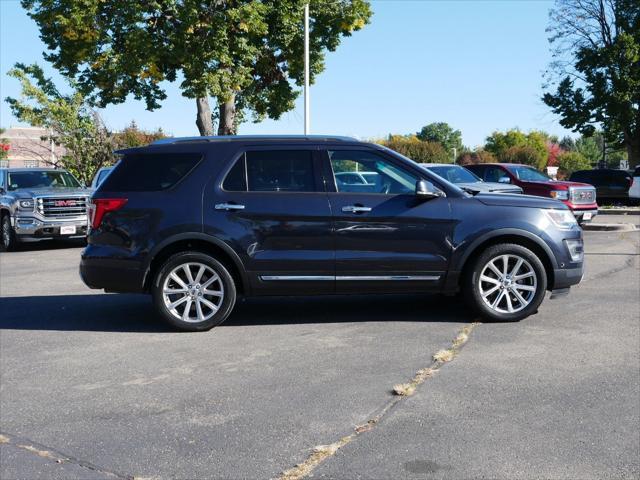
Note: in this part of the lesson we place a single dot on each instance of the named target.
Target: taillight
(99, 206)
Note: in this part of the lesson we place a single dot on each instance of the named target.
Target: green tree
(244, 53)
(568, 144)
(596, 72)
(72, 123)
(569, 162)
(523, 154)
(529, 148)
(417, 150)
(442, 133)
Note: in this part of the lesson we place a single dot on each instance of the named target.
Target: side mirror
(2, 192)
(504, 179)
(426, 190)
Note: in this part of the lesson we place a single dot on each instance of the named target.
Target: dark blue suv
(198, 221)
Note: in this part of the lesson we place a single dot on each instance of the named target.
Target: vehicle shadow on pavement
(135, 313)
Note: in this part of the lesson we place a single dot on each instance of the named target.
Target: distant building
(27, 149)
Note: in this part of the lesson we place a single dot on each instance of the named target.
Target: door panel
(283, 237)
(387, 242)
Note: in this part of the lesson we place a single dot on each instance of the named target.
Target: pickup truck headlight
(563, 219)
(26, 204)
(560, 194)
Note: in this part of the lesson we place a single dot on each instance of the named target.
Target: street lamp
(307, 125)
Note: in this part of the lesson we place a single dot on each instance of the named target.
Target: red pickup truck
(579, 197)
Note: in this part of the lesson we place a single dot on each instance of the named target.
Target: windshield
(455, 174)
(42, 179)
(529, 174)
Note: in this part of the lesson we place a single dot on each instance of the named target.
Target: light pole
(307, 124)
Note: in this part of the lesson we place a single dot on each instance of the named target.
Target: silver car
(467, 180)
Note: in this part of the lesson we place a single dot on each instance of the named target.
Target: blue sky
(474, 64)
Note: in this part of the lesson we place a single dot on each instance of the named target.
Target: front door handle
(229, 206)
(356, 209)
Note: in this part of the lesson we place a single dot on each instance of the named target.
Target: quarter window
(365, 172)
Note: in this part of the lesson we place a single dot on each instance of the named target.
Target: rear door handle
(229, 206)
(356, 209)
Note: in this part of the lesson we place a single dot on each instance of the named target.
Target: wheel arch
(516, 236)
(197, 242)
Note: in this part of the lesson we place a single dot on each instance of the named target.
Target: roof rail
(230, 138)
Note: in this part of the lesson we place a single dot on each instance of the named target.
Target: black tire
(8, 239)
(506, 286)
(224, 284)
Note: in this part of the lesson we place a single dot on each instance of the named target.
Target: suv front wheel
(507, 283)
(193, 292)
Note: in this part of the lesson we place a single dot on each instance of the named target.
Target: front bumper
(35, 229)
(566, 277)
(580, 214)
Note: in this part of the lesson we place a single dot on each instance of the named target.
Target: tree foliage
(518, 147)
(247, 54)
(442, 133)
(569, 162)
(417, 150)
(595, 77)
(132, 136)
(475, 157)
(72, 123)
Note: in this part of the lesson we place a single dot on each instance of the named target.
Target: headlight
(26, 203)
(562, 219)
(560, 194)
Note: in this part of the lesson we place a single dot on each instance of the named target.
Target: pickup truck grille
(62, 207)
(583, 195)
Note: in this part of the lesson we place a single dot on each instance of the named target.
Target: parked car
(196, 222)
(579, 197)
(634, 191)
(467, 180)
(41, 204)
(610, 184)
(99, 177)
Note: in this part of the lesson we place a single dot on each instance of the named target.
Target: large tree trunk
(227, 125)
(203, 119)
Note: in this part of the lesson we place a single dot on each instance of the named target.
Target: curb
(619, 211)
(609, 227)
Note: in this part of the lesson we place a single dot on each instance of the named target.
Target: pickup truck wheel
(507, 283)
(193, 292)
(8, 235)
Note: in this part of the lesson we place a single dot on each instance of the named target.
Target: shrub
(417, 150)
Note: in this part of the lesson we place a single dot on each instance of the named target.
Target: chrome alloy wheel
(508, 283)
(193, 292)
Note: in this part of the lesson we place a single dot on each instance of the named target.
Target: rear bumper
(112, 275)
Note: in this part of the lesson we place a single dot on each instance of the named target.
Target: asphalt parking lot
(92, 386)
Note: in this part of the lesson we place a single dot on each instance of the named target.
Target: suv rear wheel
(507, 283)
(7, 234)
(193, 292)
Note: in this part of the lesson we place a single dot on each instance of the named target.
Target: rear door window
(272, 171)
(149, 172)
